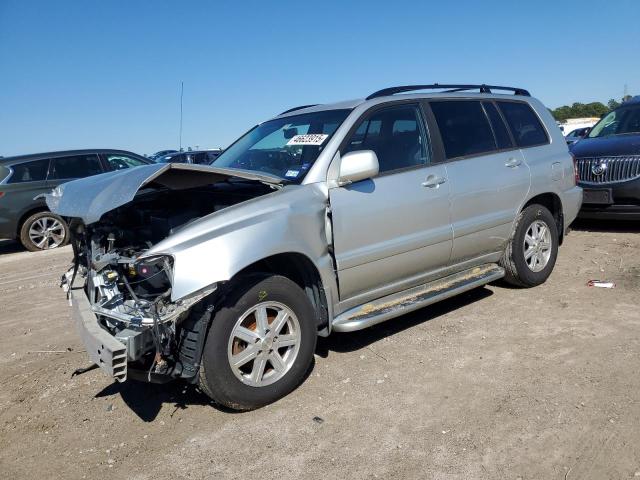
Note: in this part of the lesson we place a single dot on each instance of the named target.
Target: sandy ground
(498, 383)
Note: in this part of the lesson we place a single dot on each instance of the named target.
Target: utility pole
(181, 95)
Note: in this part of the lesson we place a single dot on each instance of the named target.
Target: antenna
(181, 95)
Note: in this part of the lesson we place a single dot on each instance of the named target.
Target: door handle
(513, 162)
(433, 181)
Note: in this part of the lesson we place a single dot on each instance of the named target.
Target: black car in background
(202, 157)
(22, 178)
(608, 165)
(161, 153)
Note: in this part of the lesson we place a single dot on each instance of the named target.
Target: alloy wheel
(47, 233)
(537, 246)
(264, 344)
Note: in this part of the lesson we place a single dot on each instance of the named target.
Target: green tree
(613, 104)
(580, 110)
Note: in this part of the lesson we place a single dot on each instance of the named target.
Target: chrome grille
(614, 169)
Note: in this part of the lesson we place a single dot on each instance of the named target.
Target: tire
(245, 387)
(44, 231)
(527, 263)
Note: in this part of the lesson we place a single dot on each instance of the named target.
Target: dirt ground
(498, 383)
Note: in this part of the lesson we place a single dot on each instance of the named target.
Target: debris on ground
(601, 284)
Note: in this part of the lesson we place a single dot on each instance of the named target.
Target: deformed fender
(216, 247)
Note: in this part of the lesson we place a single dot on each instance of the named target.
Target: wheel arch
(553, 203)
(301, 270)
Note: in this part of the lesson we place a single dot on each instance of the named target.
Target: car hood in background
(91, 197)
(614, 145)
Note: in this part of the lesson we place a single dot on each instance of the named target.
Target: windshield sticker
(308, 139)
(292, 173)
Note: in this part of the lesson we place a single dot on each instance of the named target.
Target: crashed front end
(132, 320)
(124, 313)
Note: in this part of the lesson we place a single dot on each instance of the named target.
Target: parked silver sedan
(326, 218)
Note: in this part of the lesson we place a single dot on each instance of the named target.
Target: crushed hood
(91, 197)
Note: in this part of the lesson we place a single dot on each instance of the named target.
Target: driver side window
(397, 136)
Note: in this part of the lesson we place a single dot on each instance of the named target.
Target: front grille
(601, 170)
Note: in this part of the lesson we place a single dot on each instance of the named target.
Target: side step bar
(415, 298)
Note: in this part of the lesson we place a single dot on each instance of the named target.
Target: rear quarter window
(35, 171)
(525, 125)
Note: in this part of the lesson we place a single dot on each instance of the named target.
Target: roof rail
(450, 88)
(298, 108)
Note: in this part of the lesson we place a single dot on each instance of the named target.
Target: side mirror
(356, 166)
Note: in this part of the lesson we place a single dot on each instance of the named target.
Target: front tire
(44, 231)
(532, 251)
(260, 344)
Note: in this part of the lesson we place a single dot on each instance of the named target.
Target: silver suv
(325, 218)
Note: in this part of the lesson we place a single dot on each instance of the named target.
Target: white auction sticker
(308, 139)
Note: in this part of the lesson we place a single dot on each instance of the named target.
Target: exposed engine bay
(131, 296)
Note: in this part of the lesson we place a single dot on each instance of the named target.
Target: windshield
(286, 147)
(621, 121)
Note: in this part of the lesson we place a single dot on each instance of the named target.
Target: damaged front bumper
(103, 349)
(116, 342)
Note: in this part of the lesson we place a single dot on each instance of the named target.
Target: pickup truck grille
(601, 170)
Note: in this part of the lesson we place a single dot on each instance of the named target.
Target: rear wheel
(44, 231)
(260, 344)
(532, 251)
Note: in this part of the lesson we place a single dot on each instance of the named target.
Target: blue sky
(76, 74)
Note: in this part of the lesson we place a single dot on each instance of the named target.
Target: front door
(390, 231)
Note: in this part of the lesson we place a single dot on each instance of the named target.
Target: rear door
(390, 231)
(488, 176)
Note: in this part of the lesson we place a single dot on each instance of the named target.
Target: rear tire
(44, 231)
(532, 251)
(269, 320)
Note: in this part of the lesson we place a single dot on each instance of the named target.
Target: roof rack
(298, 108)
(450, 88)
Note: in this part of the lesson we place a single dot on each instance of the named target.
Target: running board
(415, 298)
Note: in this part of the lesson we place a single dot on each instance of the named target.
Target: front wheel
(260, 344)
(532, 251)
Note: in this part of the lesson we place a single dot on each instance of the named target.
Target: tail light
(576, 177)
(1, 194)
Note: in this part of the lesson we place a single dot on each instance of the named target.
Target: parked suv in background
(325, 218)
(608, 161)
(22, 178)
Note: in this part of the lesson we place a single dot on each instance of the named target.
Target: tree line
(582, 110)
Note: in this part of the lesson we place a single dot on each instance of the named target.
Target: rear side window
(464, 127)
(76, 166)
(29, 171)
(524, 123)
(503, 140)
